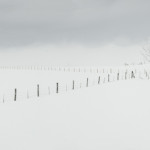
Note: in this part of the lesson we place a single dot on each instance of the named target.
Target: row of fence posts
(73, 84)
(65, 69)
(132, 76)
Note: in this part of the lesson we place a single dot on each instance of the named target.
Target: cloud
(70, 55)
(86, 22)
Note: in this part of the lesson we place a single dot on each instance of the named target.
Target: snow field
(110, 117)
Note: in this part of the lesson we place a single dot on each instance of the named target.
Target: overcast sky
(91, 24)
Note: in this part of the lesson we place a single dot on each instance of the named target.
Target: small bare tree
(146, 51)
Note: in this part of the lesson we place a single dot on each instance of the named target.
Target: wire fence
(101, 76)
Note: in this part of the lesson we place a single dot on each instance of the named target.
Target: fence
(105, 75)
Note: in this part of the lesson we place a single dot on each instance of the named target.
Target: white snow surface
(111, 116)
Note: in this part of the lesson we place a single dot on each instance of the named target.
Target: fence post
(27, 94)
(38, 90)
(108, 77)
(126, 75)
(104, 80)
(56, 87)
(73, 85)
(132, 75)
(87, 82)
(99, 80)
(118, 76)
(15, 96)
(3, 99)
(146, 74)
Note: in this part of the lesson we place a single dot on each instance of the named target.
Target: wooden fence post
(15, 96)
(132, 75)
(3, 99)
(146, 74)
(73, 85)
(104, 80)
(108, 77)
(126, 75)
(57, 88)
(87, 82)
(99, 80)
(27, 94)
(38, 90)
(118, 76)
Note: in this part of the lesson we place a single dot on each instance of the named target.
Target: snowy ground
(110, 116)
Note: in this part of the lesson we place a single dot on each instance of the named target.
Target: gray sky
(90, 23)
